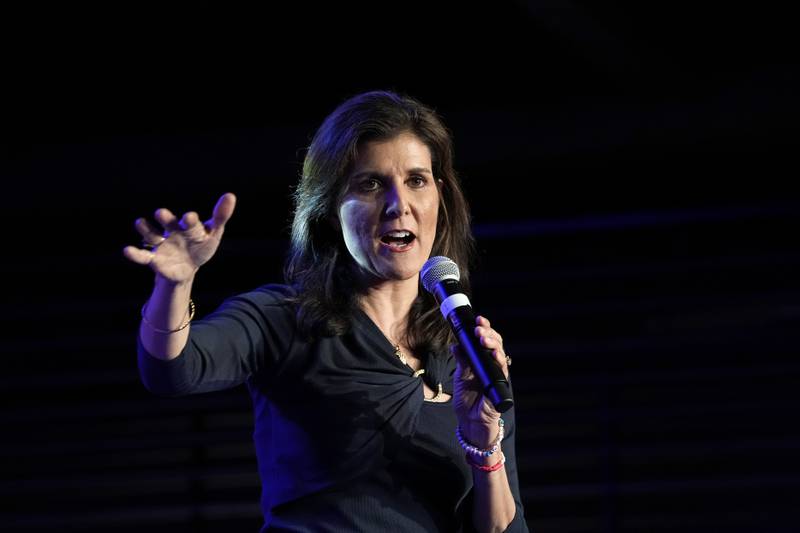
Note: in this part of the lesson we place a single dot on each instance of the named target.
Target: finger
(222, 212)
(493, 341)
(483, 321)
(167, 219)
(147, 232)
(189, 221)
(488, 337)
(500, 357)
(137, 255)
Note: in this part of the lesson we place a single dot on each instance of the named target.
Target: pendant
(400, 355)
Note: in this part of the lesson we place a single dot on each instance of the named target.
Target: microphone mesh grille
(436, 269)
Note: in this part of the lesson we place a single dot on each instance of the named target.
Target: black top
(344, 438)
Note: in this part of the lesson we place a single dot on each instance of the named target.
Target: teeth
(398, 234)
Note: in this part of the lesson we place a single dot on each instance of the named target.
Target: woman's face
(390, 206)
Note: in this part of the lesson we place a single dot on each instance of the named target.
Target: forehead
(403, 150)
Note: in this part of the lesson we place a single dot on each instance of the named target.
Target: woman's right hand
(185, 245)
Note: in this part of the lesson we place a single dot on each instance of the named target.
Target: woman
(364, 419)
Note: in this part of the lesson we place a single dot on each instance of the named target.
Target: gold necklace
(400, 355)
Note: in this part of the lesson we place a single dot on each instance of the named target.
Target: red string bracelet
(484, 468)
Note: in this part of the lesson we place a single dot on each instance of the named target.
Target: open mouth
(398, 240)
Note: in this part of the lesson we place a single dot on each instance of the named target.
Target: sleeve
(518, 524)
(248, 334)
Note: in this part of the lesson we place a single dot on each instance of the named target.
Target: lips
(398, 237)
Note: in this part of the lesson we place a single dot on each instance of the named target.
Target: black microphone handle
(487, 370)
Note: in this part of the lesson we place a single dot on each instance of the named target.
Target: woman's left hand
(476, 415)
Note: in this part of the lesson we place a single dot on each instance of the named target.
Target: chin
(401, 274)
(408, 275)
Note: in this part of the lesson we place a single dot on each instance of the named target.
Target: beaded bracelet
(484, 468)
(191, 316)
(470, 449)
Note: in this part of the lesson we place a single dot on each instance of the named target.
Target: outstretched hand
(476, 415)
(185, 244)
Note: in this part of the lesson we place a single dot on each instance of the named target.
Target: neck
(388, 305)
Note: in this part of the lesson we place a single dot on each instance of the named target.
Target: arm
(496, 501)
(175, 255)
(166, 310)
(246, 335)
(211, 358)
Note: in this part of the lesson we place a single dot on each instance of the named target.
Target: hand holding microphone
(440, 277)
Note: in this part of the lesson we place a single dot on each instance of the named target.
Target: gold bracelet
(191, 316)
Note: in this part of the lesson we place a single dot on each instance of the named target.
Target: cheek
(432, 214)
(354, 220)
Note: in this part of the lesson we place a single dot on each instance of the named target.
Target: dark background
(631, 169)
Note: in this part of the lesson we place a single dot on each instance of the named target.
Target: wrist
(488, 464)
(153, 327)
(481, 451)
(482, 435)
(174, 285)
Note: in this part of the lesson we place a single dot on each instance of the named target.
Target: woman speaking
(368, 416)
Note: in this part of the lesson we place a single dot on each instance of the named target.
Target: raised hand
(184, 245)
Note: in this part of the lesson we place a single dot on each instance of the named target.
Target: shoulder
(272, 294)
(273, 301)
(276, 292)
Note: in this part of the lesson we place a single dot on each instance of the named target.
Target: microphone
(440, 277)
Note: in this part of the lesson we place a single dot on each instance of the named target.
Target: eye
(417, 181)
(369, 185)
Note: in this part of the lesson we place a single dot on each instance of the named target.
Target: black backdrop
(631, 174)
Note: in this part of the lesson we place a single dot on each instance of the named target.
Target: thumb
(223, 211)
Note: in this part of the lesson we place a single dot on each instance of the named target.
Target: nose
(397, 202)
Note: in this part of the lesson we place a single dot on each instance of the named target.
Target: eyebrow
(415, 170)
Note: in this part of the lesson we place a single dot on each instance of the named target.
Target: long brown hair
(319, 266)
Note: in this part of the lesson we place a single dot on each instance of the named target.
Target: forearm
(167, 309)
(494, 507)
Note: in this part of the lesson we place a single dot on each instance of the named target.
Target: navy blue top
(344, 438)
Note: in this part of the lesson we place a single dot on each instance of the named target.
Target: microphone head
(436, 269)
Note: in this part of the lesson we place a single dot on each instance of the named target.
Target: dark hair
(319, 265)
